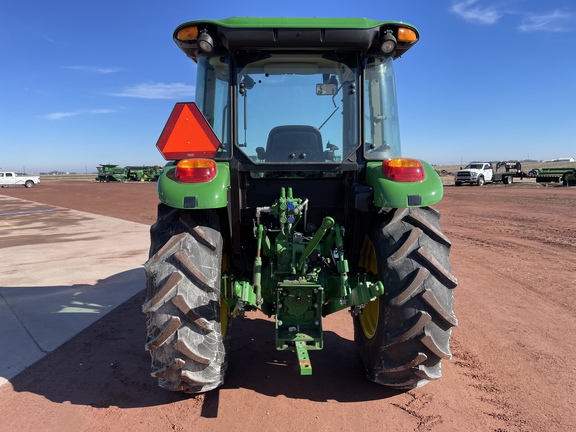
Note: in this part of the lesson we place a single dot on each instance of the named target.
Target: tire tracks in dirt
(480, 384)
(487, 391)
(416, 404)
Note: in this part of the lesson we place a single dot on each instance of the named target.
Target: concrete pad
(18, 348)
(60, 271)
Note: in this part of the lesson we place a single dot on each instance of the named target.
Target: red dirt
(513, 368)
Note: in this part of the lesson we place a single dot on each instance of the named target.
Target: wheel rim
(224, 312)
(371, 313)
(224, 306)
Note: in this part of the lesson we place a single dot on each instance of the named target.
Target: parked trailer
(512, 167)
(552, 175)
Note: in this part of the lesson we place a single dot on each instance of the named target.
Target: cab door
(488, 172)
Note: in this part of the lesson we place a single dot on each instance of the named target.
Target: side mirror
(261, 153)
(247, 82)
(326, 89)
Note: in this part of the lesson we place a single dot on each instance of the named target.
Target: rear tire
(404, 334)
(185, 337)
(29, 184)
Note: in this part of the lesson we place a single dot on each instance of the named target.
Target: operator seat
(294, 143)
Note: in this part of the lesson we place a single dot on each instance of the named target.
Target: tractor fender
(395, 194)
(207, 195)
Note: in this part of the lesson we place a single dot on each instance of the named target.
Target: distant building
(568, 159)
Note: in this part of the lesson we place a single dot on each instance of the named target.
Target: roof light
(403, 170)
(407, 35)
(205, 41)
(388, 42)
(188, 33)
(195, 170)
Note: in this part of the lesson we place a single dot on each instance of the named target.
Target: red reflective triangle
(187, 134)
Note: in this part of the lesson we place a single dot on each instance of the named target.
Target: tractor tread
(173, 367)
(441, 272)
(412, 289)
(428, 374)
(415, 316)
(169, 330)
(190, 267)
(169, 245)
(429, 297)
(166, 291)
(432, 345)
(420, 358)
(198, 233)
(181, 303)
(188, 350)
(413, 328)
(407, 246)
(419, 221)
(186, 340)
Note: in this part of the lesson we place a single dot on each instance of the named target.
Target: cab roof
(310, 34)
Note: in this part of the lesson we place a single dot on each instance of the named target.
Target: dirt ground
(514, 352)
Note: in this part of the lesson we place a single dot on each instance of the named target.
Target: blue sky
(85, 83)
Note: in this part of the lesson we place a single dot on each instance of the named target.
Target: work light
(388, 42)
(205, 41)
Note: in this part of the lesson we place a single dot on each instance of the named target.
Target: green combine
(111, 172)
(285, 192)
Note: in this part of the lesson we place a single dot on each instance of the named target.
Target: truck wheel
(29, 184)
(403, 335)
(187, 323)
(480, 181)
(457, 183)
(508, 180)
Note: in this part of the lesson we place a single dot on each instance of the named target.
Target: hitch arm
(327, 223)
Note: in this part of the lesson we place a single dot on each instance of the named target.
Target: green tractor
(285, 192)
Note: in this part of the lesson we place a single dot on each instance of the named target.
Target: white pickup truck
(479, 173)
(12, 179)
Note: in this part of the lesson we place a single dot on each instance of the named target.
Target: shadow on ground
(106, 365)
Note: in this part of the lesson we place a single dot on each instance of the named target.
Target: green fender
(394, 194)
(208, 195)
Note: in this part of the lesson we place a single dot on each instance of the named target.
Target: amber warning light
(187, 134)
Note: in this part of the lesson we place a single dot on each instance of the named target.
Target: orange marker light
(195, 170)
(187, 33)
(406, 35)
(403, 170)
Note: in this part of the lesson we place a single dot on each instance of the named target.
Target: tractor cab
(320, 95)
